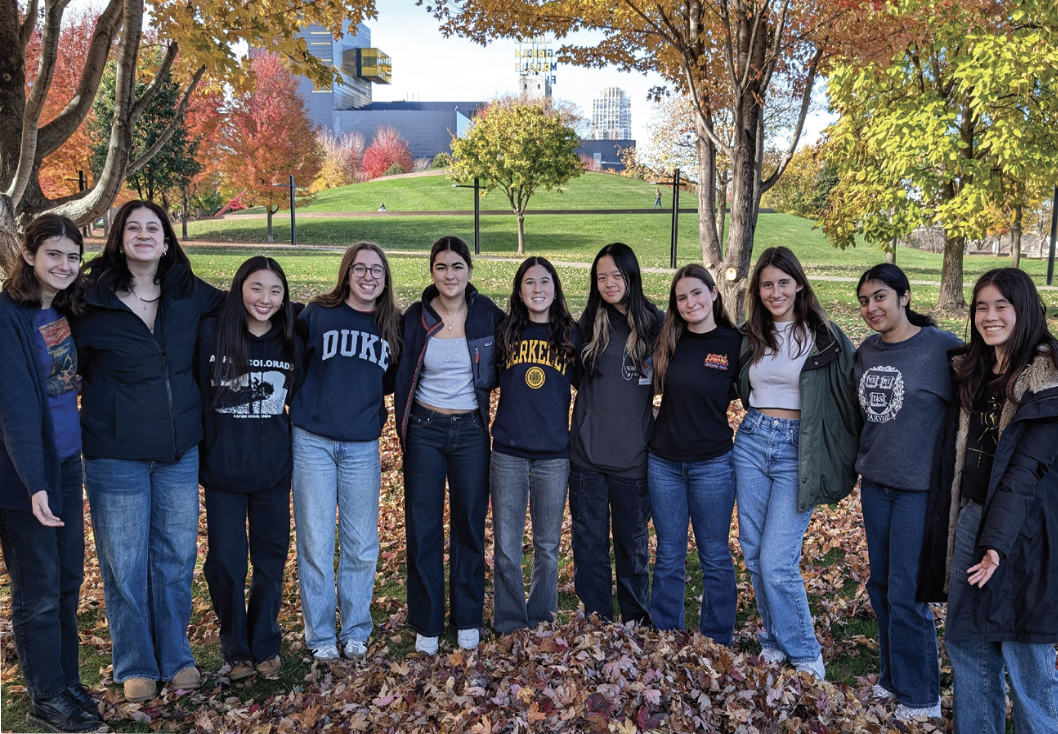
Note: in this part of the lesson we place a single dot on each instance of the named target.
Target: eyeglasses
(377, 271)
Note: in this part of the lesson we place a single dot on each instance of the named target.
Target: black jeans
(46, 566)
(591, 497)
(456, 447)
(249, 630)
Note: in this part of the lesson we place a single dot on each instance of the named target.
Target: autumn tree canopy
(197, 34)
(269, 137)
(950, 119)
(518, 148)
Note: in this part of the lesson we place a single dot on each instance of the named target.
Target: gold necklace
(444, 313)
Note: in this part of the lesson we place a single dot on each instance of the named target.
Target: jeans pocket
(417, 420)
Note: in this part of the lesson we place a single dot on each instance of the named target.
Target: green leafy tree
(944, 122)
(173, 166)
(804, 189)
(519, 149)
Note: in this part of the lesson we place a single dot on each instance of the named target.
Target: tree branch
(156, 83)
(29, 23)
(806, 99)
(171, 128)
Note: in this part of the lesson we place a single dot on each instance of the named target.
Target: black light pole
(477, 211)
(1054, 235)
(675, 215)
(293, 221)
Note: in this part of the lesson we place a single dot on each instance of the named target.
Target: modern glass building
(611, 115)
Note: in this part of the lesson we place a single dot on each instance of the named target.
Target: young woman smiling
(794, 449)
(442, 406)
(992, 529)
(351, 338)
(904, 387)
(612, 420)
(141, 415)
(536, 349)
(41, 510)
(690, 472)
(246, 364)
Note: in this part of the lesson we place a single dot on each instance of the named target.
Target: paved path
(456, 213)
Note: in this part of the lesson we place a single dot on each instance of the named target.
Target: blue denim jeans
(455, 447)
(46, 566)
(978, 667)
(592, 497)
(541, 484)
(704, 492)
(145, 516)
(895, 524)
(771, 531)
(237, 522)
(336, 482)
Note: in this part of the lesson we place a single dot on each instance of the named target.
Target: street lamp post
(675, 215)
(293, 221)
(477, 211)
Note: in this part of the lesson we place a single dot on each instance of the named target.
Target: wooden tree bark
(951, 295)
(1015, 238)
(712, 252)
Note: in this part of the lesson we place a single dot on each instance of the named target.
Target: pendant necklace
(445, 322)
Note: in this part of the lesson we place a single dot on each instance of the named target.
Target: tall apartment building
(611, 115)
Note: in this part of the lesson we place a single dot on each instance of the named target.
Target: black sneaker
(61, 713)
(84, 699)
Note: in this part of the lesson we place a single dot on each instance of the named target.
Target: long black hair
(642, 317)
(560, 322)
(23, 285)
(894, 278)
(231, 349)
(112, 265)
(1030, 333)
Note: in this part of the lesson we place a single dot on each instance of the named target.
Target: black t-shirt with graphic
(532, 419)
(904, 390)
(982, 440)
(699, 386)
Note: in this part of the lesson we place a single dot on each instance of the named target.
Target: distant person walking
(657, 198)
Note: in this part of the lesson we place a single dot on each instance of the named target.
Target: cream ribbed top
(775, 381)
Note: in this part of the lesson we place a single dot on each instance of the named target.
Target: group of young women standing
(251, 395)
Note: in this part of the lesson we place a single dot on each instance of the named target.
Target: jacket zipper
(168, 383)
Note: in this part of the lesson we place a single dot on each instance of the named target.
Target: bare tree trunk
(890, 254)
(521, 233)
(951, 295)
(1015, 238)
(710, 239)
(270, 213)
(183, 214)
(724, 177)
(9, 244)
(732, 278)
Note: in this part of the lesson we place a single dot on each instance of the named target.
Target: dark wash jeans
(249, 628)
(455, 447)
(46, 566)
(895, 524)
(592, 496)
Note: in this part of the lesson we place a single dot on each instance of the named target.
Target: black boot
(83, 699)
(61, 713)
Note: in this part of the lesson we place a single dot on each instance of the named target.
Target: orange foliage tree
(388, 148)
(268, 137)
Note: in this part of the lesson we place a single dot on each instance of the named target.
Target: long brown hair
(387, 315)
(560, 323)
(23, 285)
(674, 325)
(1030, 333)
(808, 314)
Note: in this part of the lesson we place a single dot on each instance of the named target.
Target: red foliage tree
(269, 137)
(388, 148)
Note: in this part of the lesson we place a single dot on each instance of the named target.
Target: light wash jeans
(704, 492)
(978, 667)
(771, 532)
(541, 484)
(336, 481)
(145, 516)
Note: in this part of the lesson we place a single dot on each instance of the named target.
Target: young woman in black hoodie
(612, 420)
(41, 510)
(246, 364)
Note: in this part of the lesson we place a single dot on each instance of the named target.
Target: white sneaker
(354, 649)
(907, 713)
(772, 656)
(327, 652)
(813, 667)
(468, 639)
(427, 645)
(880, 693)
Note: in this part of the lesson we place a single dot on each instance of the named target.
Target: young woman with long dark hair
(690, 472)
(536, 350)
(612, 419)
(247, 360)
(795, 448)
(141, 420)
(41, 510)
(904, 388)
(992, 528)
(351, 338)
(442, 407)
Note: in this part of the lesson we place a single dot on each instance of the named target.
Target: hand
(42, 512)
(983, 571)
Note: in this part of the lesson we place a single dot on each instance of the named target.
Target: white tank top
(775, 380)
